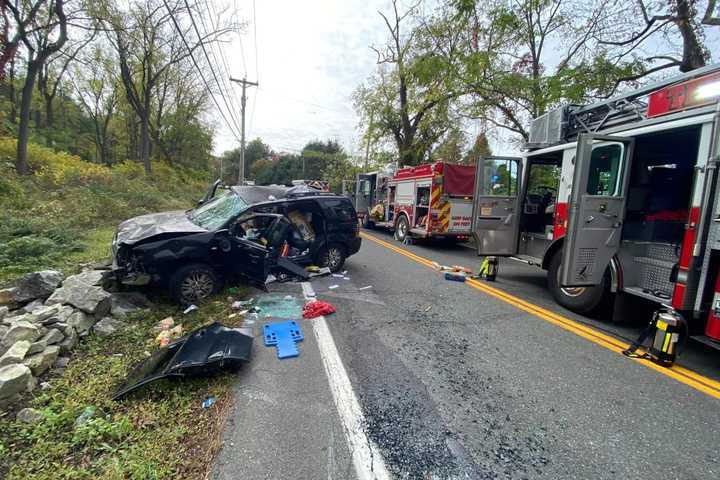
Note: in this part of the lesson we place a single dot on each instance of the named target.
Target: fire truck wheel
(578, 299)
(402, 228)
(333, 257)
(367, 223)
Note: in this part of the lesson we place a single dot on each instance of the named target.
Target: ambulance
(617, 196)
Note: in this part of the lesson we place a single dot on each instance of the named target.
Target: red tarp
(459, 180)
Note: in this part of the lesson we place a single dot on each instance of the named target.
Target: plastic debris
(312, 268)
(233, 290)
(270, 279)
(338, 275)
(367, 287)
(242, 303)
(208, 402)
(333, 287)
(284, 336)
(288, 297)
(87, 414)
(321, 271)
(344, 272)
(455, 277)
(317, 308)
(164, 324)
(190, 309)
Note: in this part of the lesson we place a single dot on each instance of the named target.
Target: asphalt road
(455, 383)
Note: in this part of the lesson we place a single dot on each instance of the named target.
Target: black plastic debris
(208, 350)
(293, 268)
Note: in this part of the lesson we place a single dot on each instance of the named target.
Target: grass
(156, 433)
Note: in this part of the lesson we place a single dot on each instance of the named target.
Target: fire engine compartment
(657, 210)
(539, 203)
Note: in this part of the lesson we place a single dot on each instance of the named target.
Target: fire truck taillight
(690, 94)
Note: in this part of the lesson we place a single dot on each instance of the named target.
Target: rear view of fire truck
(618, 196)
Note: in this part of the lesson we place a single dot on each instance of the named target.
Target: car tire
(402, 228)
(332, 257)
(581, 300)
(194, 283)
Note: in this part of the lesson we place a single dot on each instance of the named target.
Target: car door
(254, 244)
(597, 208)
(496, 206)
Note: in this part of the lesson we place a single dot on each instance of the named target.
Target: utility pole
(245, 83)
(367, 148)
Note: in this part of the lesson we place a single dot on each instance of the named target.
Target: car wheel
(402, 229)
(578, 299)
(332, 257)
(194, 283)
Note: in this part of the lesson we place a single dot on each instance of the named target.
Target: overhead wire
(197, 67)
(223, 94)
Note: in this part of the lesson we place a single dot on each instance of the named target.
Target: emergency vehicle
(618, 196)
(426, 201)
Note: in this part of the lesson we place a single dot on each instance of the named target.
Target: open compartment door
(597, 208)
(496, 206)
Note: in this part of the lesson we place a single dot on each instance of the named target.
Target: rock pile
(43, 317)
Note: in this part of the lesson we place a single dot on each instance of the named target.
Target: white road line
(367, 459)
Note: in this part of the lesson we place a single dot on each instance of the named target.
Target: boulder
(37, 285)
(3, 311)
(21, 331)
(86, 277)
(124, 303)
(40, 315)
(7, 296)
(34, 305)
(81, 321)
(3, 330)
(60, 317)
(40, 362)
(71, 340)
(29, 415)
(107, 326)
(13, 379)
(52, 337)
(58, 326)
(16, 353)
(37, 347)
(90, 299)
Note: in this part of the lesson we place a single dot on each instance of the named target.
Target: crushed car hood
(206, 351)
(146, 226)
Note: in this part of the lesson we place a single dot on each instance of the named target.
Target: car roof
(254, 195)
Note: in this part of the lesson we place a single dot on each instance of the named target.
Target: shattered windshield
(216, 213)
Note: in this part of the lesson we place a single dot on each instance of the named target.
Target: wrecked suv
(243, 231)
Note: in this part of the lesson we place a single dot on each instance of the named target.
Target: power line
(212, 70)
(257, 70)
(199, 70)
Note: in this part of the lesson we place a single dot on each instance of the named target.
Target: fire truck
(618, 196)
(426, 201)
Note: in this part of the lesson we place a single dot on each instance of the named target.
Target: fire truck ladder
(565, 123)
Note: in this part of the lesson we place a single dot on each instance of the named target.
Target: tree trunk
(11, 93)
(49, 118)
(21, 165)
(145, 143)
(693, 51)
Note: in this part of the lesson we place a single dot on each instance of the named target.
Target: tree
(635, 25)
(451, 148)
(36, 33)
(480, 148)
(407, 99)
(149, 41)
(255, 150)
(98, 96)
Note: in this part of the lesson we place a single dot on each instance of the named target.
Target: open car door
(256, 242)
(597, 208)
(496, 205)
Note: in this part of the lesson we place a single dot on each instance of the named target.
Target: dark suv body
(240, 232)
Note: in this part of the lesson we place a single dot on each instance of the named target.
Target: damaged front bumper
(205, 351)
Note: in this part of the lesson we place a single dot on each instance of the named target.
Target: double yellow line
(681, 374)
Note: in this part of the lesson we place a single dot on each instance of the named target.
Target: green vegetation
(65, 212)
(161, 432)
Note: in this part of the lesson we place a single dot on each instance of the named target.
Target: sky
(311, 56)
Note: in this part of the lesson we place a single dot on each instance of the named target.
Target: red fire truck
(618, 196)
(427, 201)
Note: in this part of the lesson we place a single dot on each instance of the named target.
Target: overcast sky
(311, 55)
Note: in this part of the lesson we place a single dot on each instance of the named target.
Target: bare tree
(147, 44)
(43, 32)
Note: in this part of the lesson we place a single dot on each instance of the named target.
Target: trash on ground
(190, 309)
(317, 308)
(333, 287)
(208, 402)
(88, 413)
(242, 303)
(312, 268)
(346, 278)
(428, 308)
(288, 297)
(270, 279)
(204, 351)
(344, 272)
(164, 324)
(338, 275)
(284, 336)
(367, 287)
(320, 272)
(233, 290)
(455, 277)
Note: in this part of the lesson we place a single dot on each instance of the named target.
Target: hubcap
(402, 228)
(197, 286)
(333, 257)
(569, 291)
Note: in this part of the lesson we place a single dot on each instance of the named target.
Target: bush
(48, 214)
